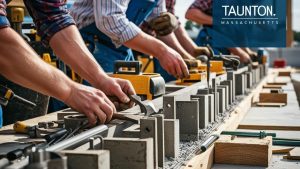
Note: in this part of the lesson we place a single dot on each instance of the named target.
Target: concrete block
(160, 139)
(240, 84)
(230, 90)
(231, 76)
(222, 102)
(226, 95)
(188, 114)
(132, 131)
(92, 159)
(148, 127)
(249, 77)
(171, 128)
(130, 153)
(215, 94)
(169, 107)
(203, 109)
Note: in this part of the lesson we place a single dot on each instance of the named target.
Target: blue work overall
(105, 51)
(204, 38)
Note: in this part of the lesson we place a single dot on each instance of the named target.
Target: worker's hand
(202, 51)
(119, 90)
(91, 102)
(245, 58)
(164, 24)
(252, 54)
(173, 63)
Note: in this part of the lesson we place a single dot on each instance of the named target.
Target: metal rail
(77, 140)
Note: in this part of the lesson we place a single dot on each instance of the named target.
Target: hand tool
(147, 85)
(147, 109)
(207, 143)
(196, 75)
(7, 95)
(33, 131)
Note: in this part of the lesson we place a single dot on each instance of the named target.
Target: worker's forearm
(237, 51)
(147, 44)
(172, 42)
(199, 17)
(70, 47)
(20, 64)
(186, 42)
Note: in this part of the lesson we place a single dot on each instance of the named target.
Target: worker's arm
(172, 41)
(188, 44)
(170, 60)
(20, 64)
(199, 17)
(55, 25)
(110, 18)
(244, 56)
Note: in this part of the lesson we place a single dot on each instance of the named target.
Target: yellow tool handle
(20, 127)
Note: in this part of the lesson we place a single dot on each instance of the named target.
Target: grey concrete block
(203, 109)
(169, 107)
(253, 76)
(130, 153)
(222, 102)
(230, 90)
(188, 114)
(148, 127)
(249, 77)
(215, 101)
(132, 131)
(160, 139)
(226, 88)
(240, 84)
(171, 137)
(91, 159)
(231, 76)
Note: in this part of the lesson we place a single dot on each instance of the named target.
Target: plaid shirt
(170, 4)
(49, 16)
(203, 5)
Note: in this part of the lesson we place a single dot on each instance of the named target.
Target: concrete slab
(188, 114)
(91, 159)
(171, 137)
(230, 90)
(203, 109)
(148, 128)
(160, 139)
(130, 153)
(222, 99)
(240, 84)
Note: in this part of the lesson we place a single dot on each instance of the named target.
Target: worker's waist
(122, 50)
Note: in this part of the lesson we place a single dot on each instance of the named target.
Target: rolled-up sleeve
(3, 20)
(110, 18)
(49, 16)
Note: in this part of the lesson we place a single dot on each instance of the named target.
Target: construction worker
(201, 12)
(20, 64)
(115, 25)
(185, 43)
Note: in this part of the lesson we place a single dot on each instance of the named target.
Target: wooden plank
(268, 127)
(267, 86)
(277, 83)
(273, 98)
(270, 104)
(284, 73)
(281, 149)
(243, 151)
(294, 154)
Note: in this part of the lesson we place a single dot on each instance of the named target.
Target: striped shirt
(110, 17)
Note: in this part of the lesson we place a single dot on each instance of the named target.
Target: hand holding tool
(7, 95)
